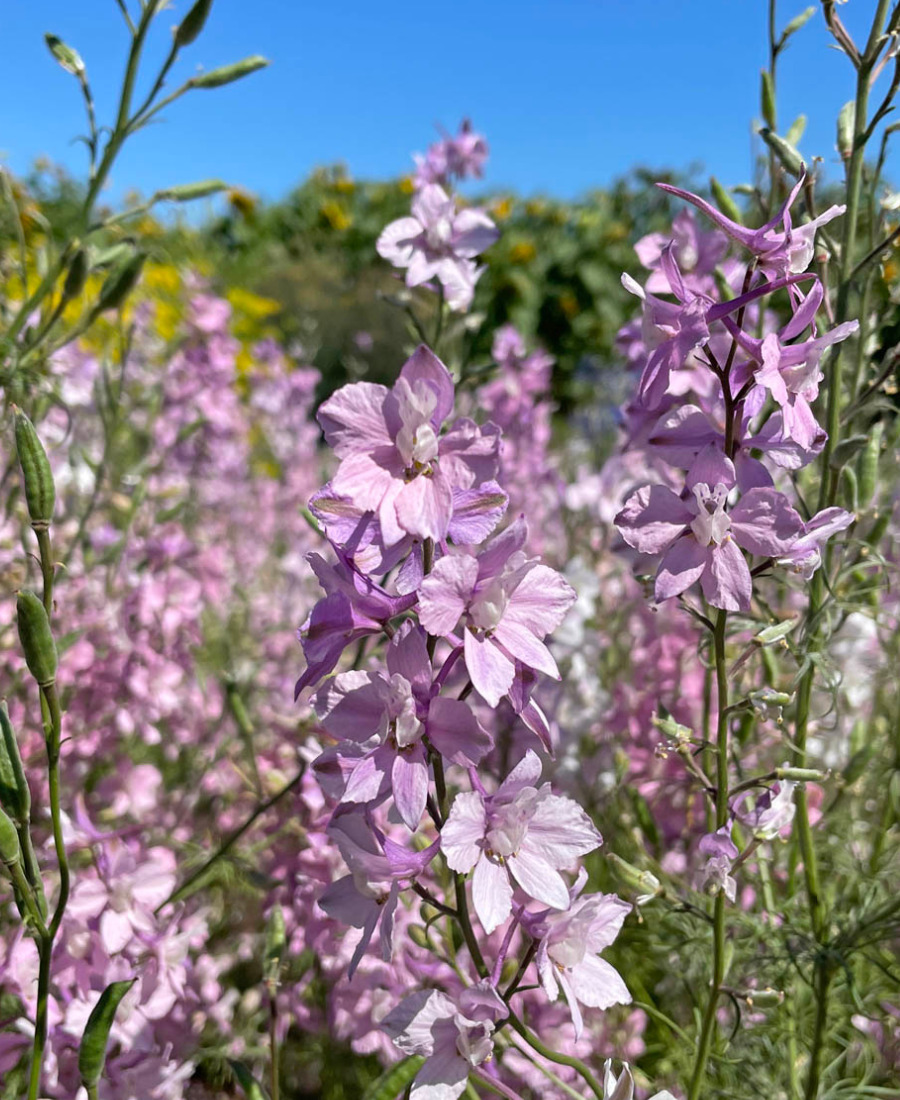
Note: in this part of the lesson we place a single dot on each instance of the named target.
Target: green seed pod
(10, 852)
(867, 465)
(77, 275)
(192, 24)
(775, 632)
(787, 155)
(276, 941)
(36, 638)
(186, 192)
(796, 130)
(40, 494)
(767, 98)
(763, 998)
(797, 22)
(251, 1088)
(419, 936)
(92, 1051)
(227, 74)
(119, 283)
(15, 797)
(68, 58)
(850, 489)
(801, 775)
(846, 124)
(879, 528)
(724, 201)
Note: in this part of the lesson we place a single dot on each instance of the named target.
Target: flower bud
(724, 201)
(849, 489)
(15, 797)
(119, 283)
(796, 130)
(68, 58)
(797, 22)
(671, 728)
(846, 124)
(276, 941)
(639, 880)
(10, 852)
(76, 276)
(762, 998)
(190, 27)
(419, 936)
(775, 632)
(186, 192)
(36, 638)
(40, 494)
(767, 98)
(92, 1050)
(227, 74)
(787, 155)
(801, 775)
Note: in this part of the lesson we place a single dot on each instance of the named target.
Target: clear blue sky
(569, 92)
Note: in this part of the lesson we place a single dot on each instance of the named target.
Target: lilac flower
(697, 253)
(700, 540)
(439, 241)
(522, 831)
(508, 602)
(770, 812)
(804, 556)
(570, 943)
(381, 721)
(369, 894)
(780, 249)
(394, 462)
(454, 1037)
(721, 851)
(354, 606)
(462, 156)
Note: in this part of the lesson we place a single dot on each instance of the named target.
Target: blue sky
(569, 92)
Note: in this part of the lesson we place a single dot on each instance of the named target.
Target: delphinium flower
(461, 156)
(438, 240)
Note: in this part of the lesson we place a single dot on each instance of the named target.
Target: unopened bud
(276, 940)
(767, 98)
(846, 124)
(787, 155)
(15, 796)
(192, 24)
(36, 638)
(10, 852)
(762, 998)
(76, 276)
(40, 494)
(725, 202)
(419, 936)
(187, 192)
(671, 728)
(119, 284)
(68, 58)
(775, 632)
(227, 74)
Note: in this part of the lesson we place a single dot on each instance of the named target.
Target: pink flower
(570, 943)
(522, 834)
(394, 461)
(454, 1037)
(700, 540)
(439, 241)
(804, 556)
(509, 604)
(380, 722)
(780, 249)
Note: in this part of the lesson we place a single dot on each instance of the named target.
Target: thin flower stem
(707, 1025)
(551, 1055)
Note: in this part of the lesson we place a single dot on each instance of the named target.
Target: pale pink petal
(411, 1023)
(491, 893)
(446, 591)
(443, 1076)
(363, 481)
(424, 367)
(597, 984)
(353, 706)
(547, 971)
(607, 913)
(525, 774)
(409, 782)
(652, 519)
(490, 670)
(764, 522)
(560, 831)
(473, 232)
(424, 506)
(520, 643)
(455, 732)
(463, 831)
(397, 241)
(540, 601)
(115, 931)
(353, 419)
(368, 777)
(572, 1000)
(680, 568)
(537, 877)
(727, 583)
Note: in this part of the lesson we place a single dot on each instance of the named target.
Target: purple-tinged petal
(424, 368)
(463, 831)
(407, 656)
(398, 241)
(519, 642)
(353, 419)
(560, 832)
(726, 582)
(353, 706)
(411, 1023)
(682, 566)
(490, 670)
(539, 602)
(525, 774)
(538, 878)
(652, 519)
(369, 778)
(409, 782)
(473, 233)
(476, 512)
(764, 522)
(424, 506)
(456, 733)
(446, 591)
(597, 984)
(711, 467)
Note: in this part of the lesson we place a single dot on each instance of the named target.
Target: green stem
(553, 1056)
(45, 948)
(47, 569)
(53, 743)
(707, 1025)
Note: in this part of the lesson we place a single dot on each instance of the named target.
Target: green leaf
(394, 1081)
(92, 1051)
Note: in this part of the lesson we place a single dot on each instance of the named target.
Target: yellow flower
(344, 186)
(405, 183)
(522, 252)
(253, 305)
(336, 216)
(241, 202)
(502, 209)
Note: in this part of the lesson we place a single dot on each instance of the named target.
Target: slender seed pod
(76, 276)
(227, 74)
(92, 1050)
(119, 284)
(783, 150)
(767, 98)
(36, 638)
(867, 466)
(15, 796)
(10, 852)
(850, 489)
(40, 494)
(190, 27)
(725, 202)
(276, 942)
